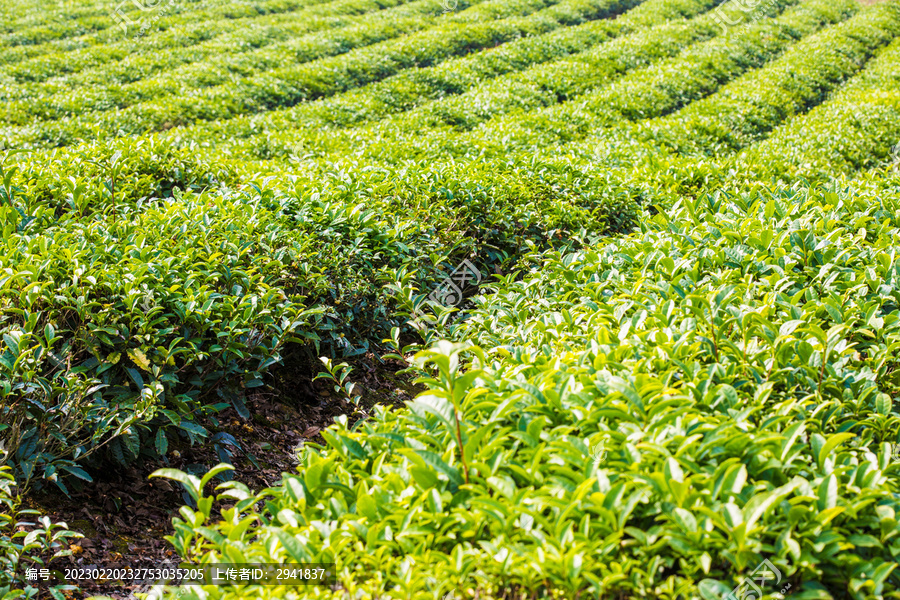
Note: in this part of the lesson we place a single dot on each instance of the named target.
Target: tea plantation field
(674, 372)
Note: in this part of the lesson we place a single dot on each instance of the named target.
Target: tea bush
(855, 129)
(114, 63)
(735, 359)
(681, 362)
(290, 85)
(449, 83)
(698, 72)
(24, 544)
(161, 306)
(655, 90)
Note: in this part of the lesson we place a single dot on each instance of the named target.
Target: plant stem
(462, 450)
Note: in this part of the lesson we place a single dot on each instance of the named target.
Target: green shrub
(855, 129)
(661, 89)
(25, 544)
(751, 107)
(652, 416)
(461, 89)
(700, 68)
(131, 317)
(102, 177)
(659, 386)
(95, 27)
(229, 56)
(457, 35)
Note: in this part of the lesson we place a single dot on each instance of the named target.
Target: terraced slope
(681, 362)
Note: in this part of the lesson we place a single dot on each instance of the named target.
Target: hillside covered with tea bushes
(681, 360)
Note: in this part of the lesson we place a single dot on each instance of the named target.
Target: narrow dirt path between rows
(125, 516)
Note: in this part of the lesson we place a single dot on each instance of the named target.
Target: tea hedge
(51, 27)
(251, 47)
(671, 152)
(455, 76)
(701, 72)
(682, 364)
(290, 85)
(300, 126)
(798, 81)
(38, 63)
(163, 304)
(736, 361)
(855, 129)
(26, 544)
(658, 89)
